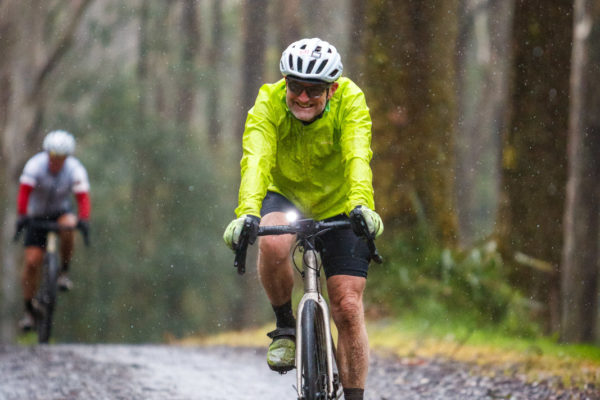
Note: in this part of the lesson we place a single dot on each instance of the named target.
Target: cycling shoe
(281, 356)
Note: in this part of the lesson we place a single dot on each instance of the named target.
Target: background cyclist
(306, 146)
(46, 184)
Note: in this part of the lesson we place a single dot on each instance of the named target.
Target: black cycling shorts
(37, 236)
(342, 252)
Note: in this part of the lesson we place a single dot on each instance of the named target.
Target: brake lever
(247, 236)
(86, 239)
(20, 230)
(240, 254)
(374, 252)
(359, 226)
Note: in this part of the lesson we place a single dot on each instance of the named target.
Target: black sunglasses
(311, 91)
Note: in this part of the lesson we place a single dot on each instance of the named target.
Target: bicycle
(45, 298)
(316, 376)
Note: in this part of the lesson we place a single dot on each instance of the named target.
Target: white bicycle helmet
(60, 143)
(312, 60)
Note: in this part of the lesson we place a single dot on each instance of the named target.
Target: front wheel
(314, 353)
(47, 298)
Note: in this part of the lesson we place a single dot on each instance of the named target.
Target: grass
(531, 359)
(414, 339)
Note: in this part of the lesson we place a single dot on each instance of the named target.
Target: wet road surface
(149, 372)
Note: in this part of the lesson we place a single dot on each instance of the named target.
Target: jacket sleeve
(356, 149)
(259, 147)
(23, 198)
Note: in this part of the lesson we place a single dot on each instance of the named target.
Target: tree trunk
(254, 45)
(214, 61)
(534, 157)
(191, 46)
(25, 68)
(288, 21)
(579, 287)
(410, 88)
(354, 63)
(483, 60)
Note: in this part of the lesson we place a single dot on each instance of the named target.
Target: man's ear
(332, 89)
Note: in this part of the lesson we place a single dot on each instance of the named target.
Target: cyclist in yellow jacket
(306, 147)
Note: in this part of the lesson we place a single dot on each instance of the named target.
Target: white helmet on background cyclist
(312, 60)
(60, 143)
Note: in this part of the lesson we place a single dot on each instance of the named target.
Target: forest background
(486, 133)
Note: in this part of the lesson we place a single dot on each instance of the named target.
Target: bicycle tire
(314, 349)
(47, 298)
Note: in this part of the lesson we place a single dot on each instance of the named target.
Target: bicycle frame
(307, 230)
(51, 243)
(312, 291)
(47, 292)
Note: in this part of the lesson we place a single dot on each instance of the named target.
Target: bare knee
(274, 250)
(34, 257)
(347, 310)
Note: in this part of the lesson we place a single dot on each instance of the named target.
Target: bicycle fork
(312, 292)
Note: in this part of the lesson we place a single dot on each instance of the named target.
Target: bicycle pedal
(281, 370)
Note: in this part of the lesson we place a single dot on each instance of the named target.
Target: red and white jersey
(51, 193)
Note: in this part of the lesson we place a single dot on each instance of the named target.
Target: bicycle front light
(291, 216)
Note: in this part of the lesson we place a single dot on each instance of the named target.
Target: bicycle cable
(310, 246)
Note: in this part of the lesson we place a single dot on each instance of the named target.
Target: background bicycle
(46, 295)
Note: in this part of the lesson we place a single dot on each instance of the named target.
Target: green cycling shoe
(281, 356)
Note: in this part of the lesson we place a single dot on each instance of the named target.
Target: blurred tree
(288, 21)
(410, 76)
(253, 49)
(254, 44)
(531, 206)
(190, 38)
(355, 61)
(34, 38)
(483, 58)
(579, 268)
(214, 59)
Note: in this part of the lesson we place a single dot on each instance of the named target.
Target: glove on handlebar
(22, 221)
(84, 227)
(372, 220)
(242, 226)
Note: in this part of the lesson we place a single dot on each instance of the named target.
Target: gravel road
(148, 372)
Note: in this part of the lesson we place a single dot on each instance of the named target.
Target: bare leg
(67, 237)
(345, 295)
(34, 257)
(274, 262)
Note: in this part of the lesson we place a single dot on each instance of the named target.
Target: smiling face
(307, 100)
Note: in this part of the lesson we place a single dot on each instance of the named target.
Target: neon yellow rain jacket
(323, 167)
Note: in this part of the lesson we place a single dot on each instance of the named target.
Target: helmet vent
(311, 65)
(312, 60)
(318, 71)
